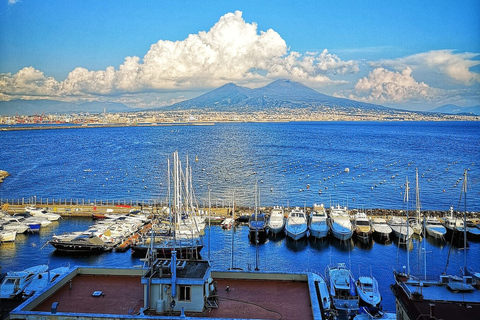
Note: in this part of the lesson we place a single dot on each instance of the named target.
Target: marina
(367, 187)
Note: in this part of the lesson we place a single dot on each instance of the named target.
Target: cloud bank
(231, 51)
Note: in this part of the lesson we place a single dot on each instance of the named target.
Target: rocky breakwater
(3, 175)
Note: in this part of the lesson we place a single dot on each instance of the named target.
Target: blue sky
(408, 54)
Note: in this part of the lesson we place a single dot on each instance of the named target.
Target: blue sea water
(291, 162)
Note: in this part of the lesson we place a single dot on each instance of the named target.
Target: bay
(292, 163)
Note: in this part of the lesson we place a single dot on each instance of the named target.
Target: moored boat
(276, 221)
(367, 289)
(434, 228)
(42, 280)
(317, 224)
(381, 230)
(227, 223)
(16, 281)
(342, 289)
(296, 225)
(363, 227)
(400, 228)
(257, 225)
(81, 244)
(340, 223)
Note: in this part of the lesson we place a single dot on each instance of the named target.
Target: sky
(414, 55)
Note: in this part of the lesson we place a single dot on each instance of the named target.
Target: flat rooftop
(250, 295)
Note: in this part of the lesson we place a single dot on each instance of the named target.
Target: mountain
(453, 109)
(280, 93)
(31, 107)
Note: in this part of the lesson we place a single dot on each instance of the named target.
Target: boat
(257, 225)
(445, 297)
(7, 235)
(342, 289)
(227, 223)
(454, 226)
(367, 290)
(363, 227)
(365, 313)
(44, 279)
(16, 281)
(415, 222)
(296, 226)
(381, 230)
(400, 228)
(434, 228)
(473, 231)
(44, 213)
(276, 221)
(340, 223)
(185, 249)
(81, 244)
(317, 224)
(322, 289)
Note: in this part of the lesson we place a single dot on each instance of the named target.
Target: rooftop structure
(190, 292)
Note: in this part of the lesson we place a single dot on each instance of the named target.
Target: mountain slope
(453, 109)
(280, 93)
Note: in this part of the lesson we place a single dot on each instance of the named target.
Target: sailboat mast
(233, 229)
(209, 226)
(407, 191)
(464, 187)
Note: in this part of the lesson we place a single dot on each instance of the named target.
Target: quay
(87, 208)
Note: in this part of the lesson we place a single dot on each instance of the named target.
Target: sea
(363, 165)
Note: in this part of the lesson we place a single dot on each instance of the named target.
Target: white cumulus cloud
(382, 85)
(456, 66)
(231, 51)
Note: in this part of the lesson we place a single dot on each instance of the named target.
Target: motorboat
(381, 229)
(81, 244)
(367, 289)
(363, 227)
(276, 221)
(400, 228)
(342, 289)
(473, 232)
(16, 224)
(42, 280)
(454, 227)
(322, 289)
(317, 224)
(7, 235)
(227, 223)
(257, 225)
(435, 228)
(16, 281)
(340, 223)
(296, 226)
(184, 248)
(35, 212)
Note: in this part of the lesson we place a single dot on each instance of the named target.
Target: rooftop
(119, 293)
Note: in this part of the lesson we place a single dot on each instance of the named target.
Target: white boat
(367, 290)
(16, 224)
(7, 236)
(296, 226)
(365, 314)
(317, 224)
(276, 221)
(16, 281)
(44, 279)
(435, 228)
(340, 223)
(416, 223)
(322, 287)
(400, 228)
(227, 223)
(342, 289)
(35, 212)
(363, 227)
(381, 229)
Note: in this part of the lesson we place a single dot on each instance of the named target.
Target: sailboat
(447, 297)
(186, 228)
(400, 226)
(415, 222)
(257, 223)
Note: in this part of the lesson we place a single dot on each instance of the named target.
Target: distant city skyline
(409, 55)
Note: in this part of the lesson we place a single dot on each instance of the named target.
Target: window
(185, 293)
